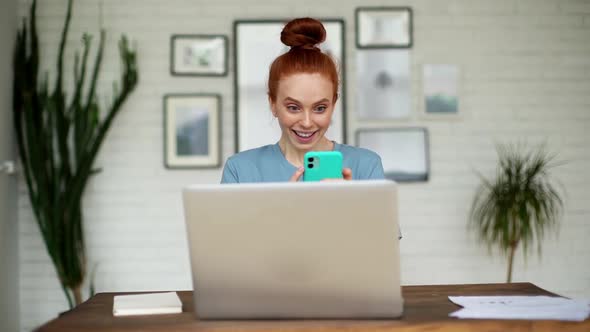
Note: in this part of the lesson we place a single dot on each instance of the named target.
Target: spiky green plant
(520, 204)
(58, 140)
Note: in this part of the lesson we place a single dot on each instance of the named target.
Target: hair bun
(303, 33)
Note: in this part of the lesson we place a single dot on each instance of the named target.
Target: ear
(273, 106)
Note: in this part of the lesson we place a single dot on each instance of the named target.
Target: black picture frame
(199, 64)
(404, 151)
(185, 155)
(368, 19)
(275, 24)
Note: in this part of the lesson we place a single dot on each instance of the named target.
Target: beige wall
(8, 188)
(525, 76)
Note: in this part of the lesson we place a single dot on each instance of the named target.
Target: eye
(292, 108)
(321, 109)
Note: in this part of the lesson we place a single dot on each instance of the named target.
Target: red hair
(302, 35)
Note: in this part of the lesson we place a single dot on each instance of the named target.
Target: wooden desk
(426, 308)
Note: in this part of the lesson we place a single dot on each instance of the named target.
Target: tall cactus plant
(58, 139)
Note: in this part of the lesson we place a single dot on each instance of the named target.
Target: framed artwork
(192, 131)
(440, 86)
(404, 151)
(198, 55)
(383, 27)
(383, 84)
(257, 44)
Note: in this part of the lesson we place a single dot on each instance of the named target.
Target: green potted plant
(58, 139)
(520, 204)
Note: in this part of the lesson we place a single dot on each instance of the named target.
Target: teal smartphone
(320, 165)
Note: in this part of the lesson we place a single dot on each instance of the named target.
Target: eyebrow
(325, 100)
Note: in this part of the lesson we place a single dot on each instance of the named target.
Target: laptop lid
(294, 250)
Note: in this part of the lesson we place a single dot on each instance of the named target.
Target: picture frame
(198, 55)
(384, 27)
(441, 90)
(192, 130)
(384, 87)
(404, 151)
(254, 124)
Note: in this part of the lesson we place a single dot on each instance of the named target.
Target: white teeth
(305, 135)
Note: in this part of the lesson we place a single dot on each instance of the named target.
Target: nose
(306, 119)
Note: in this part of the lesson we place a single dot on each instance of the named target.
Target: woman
(302, 92)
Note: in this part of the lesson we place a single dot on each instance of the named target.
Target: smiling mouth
(304, 134)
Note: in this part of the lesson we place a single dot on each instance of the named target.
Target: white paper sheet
(521, 307)
(147, 304)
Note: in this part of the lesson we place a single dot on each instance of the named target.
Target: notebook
(147, 304)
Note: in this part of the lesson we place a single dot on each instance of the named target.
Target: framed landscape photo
(404, 151)
(192, 131)
(198, 55)
(383, 27)
(440, 87)
(257, 44)
(383, 84)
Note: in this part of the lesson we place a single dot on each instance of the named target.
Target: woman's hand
(347, 174)
(295, 177)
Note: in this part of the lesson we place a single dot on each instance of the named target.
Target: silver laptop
(294, 250)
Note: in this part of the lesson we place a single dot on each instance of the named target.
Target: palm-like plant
(520, 204)
(58, 140)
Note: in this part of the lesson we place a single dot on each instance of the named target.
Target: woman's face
(304, 107)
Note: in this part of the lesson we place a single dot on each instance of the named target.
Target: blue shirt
(268, 164)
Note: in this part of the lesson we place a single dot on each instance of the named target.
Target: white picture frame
(441, 90)
(192, 130)
(384, 87)
(256, 44)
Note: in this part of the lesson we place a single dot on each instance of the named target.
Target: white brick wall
(525, 76)
(8, 183)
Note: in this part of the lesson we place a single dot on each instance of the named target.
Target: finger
(296, 175)
(347, 174)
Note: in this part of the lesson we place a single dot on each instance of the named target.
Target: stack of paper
(521, 307)
(147, 304)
